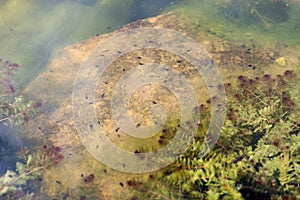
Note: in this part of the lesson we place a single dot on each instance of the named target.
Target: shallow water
(236, 20)
(33, 32)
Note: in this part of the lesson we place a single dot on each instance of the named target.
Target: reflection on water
(31, 30)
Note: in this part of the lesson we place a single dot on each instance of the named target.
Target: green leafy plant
(17, 111)
(257, 155)
(12, 183)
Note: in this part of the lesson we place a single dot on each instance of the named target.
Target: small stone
(281, 61)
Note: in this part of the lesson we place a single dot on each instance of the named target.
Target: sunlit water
(31, 31)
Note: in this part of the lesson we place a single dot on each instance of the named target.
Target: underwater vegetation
(17, 111)
(257, 155)
(19, 184)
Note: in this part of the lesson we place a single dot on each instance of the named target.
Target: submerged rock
(281, 61)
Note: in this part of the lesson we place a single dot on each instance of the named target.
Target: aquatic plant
(17, 111)
(257, 155)
(265, 13)
(16, 184)
(6, 70)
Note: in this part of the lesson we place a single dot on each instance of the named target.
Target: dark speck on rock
(121, 184)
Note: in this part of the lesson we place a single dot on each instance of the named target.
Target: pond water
(31, 31)
(40, 35)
